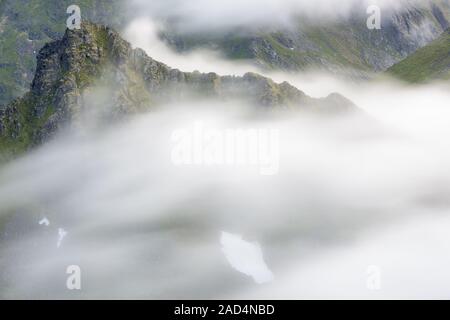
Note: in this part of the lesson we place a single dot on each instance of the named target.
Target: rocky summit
(95, 58)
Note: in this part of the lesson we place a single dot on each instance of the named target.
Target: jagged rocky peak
(71, 69)
(76, 60)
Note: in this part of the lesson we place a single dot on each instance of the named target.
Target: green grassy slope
(428, 63)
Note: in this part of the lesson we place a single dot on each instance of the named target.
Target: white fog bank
(221, 15)
(350, 193)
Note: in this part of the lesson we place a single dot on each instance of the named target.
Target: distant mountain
(94, 67)
(431, 62)
(333, 46)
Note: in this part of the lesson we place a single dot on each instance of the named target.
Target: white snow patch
(245, 257)
(44, 221)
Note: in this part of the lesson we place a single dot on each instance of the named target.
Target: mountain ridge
(333, 46)
(344, 47)
(69, 71)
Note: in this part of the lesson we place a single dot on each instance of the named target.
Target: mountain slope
(428, 63)
(27, 25)
(334, 46)
(95, 64)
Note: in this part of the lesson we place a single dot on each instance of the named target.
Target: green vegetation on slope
(27, 25)
(428, 63)
(20, 123)
(95, 69)
(335, 45)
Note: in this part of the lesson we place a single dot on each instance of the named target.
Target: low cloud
(350, 193)
(202, 15)
(143, 33)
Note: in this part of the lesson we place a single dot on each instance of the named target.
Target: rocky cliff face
(27, 25)
(72, 69)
